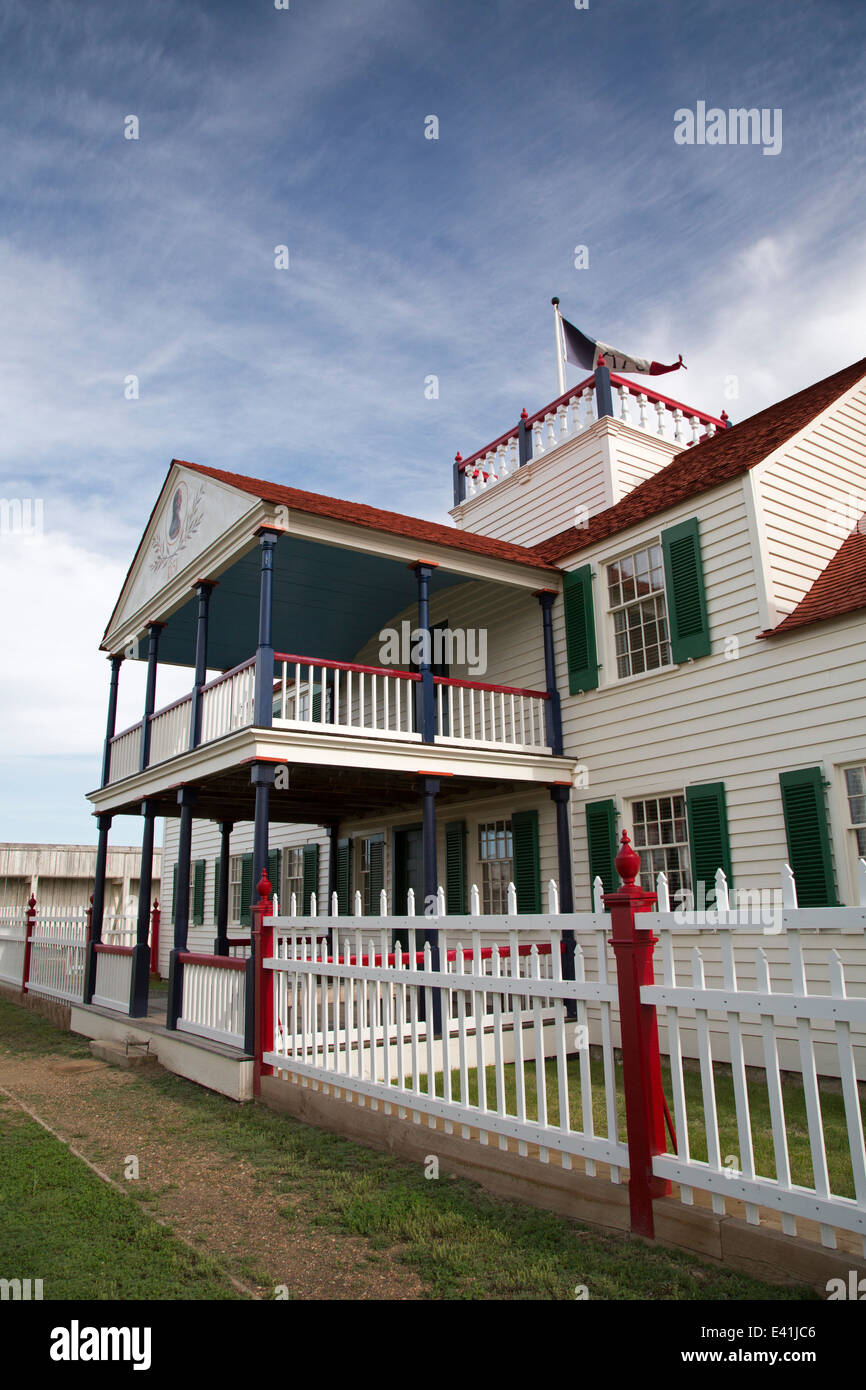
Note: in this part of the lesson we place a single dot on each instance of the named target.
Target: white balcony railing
(575, 412)
(125, 753)
(228, 702)
(343, 697)
(169, 730)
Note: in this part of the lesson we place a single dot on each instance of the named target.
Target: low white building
(60, 877)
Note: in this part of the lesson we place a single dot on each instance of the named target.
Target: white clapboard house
(642, 618)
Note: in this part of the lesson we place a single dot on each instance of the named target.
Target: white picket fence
(58, 951)
(751, 982)
(214, 998)
(13, 937)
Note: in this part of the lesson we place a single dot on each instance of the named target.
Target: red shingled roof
(727, 455)
(395, 523)
(839, 589)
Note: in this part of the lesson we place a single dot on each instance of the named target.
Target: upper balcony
(315, 696)
(585, 450)
(299, 612)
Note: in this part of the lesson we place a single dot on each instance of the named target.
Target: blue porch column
(560, 794)
(103, 822)
(111, 721)
(264, 713)
(553, 711)
(426, 705)
(333, 836)
(221, 944)
(153, 631)
(603, 397)
(186, 799)
(203, 591)
(262, 777)
(429, 792)
(141, 959)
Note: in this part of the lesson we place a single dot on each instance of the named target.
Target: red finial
(265, 888)
(524, 414)
(627, 862)
(601, 362)
(725, 416)
(458, 457)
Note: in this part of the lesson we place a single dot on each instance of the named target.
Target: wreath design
(162, 555)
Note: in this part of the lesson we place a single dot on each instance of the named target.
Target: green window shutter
(310, 878)
(198, 892)
(527, 867)
(173, 890)
(709, 846)
(274, 858)
(686, 596)
(247, 890)
(377, 873)
(216, 888)
(580, 630)
(455, 867)
(808, 837)
(344, 877)
(601, 840)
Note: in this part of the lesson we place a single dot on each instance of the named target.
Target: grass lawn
(832, 1109)
(63, 1225)
(461, 1242)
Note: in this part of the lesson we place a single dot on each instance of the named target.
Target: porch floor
(214, 1065)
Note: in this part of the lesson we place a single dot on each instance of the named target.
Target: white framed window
(236, 868)
(855, 791)
(636, 601)
(293, 878)
(496, 861)
(661, 838)
(364, 872)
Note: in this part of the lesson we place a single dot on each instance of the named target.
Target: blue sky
(408, 257)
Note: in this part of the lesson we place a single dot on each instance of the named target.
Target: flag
(584, 352)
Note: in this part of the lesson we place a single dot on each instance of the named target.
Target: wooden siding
(821, 471)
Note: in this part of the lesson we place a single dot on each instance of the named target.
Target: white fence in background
(125, 753)
(169, 731)
(13, 937)
(228, 702)
(214, 998)
(58, 951)
(121, 929)
(113, 977)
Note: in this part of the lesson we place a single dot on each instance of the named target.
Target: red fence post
(154, 938)
(263, 948)
(641, 1055)
(29, 924)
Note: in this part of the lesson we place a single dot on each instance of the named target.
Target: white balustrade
(113, 977)
(169, 731)
(214, 998)
(228, 703)
(58, 948)
(489, 715)
(559, 424)
(125, 754)
(344, 698)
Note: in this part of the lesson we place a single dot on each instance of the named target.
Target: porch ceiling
(327, 602)
(319, 795)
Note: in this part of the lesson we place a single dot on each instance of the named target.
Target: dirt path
(218, 1203)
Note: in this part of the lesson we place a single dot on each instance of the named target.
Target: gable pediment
(192, 516)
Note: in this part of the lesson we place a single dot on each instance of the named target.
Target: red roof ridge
(396, 523)
(713, 461)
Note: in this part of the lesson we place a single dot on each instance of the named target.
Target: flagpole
(560, 356)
